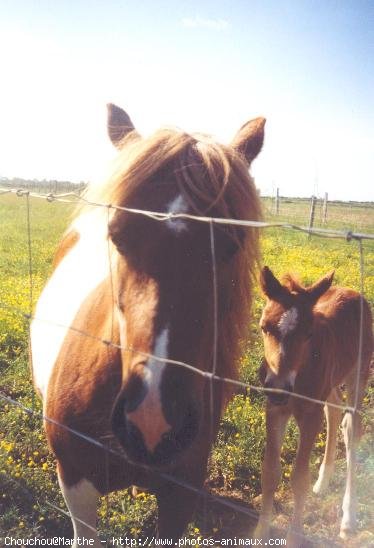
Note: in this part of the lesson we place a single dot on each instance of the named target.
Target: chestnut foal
(311, 342)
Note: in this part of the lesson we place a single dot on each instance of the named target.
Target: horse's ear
(119, 124)
(271, 287)
(316, 290)
(250, 138)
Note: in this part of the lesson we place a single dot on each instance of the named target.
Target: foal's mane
(215, 181)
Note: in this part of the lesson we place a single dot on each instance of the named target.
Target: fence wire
(211, 376)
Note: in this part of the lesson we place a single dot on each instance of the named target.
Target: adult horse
(147, 286)
(312, 346)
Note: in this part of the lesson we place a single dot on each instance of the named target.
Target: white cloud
(201, 22)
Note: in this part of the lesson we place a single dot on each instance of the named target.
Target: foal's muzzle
(279, 398)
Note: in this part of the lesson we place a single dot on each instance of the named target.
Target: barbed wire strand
(215, 326)
(106, 464)
(360, 339)
(215, 349)
(159, 216)
(31, 299)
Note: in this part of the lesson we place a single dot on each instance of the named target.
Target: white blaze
(156, 367)
(288, 321)
(178, 205)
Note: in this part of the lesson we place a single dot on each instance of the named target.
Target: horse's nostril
(171, 443)
(134, 393)
(190, 424)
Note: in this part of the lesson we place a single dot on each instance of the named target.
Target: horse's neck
(80, 271)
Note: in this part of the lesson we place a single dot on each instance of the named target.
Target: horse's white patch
(178, 205)
(288, 321)
(162, 344)
(84, 267)
(155, 368)
(81, 500)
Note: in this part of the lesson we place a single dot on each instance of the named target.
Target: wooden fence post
(277, 202)
(324, 208)
(312, 213)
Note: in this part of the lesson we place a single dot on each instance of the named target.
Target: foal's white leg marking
(288, 321)
(81, 500)
(326, 470)
(83, 268)
(348, 523)
(324, 475)
(150, 410)
(178, 205)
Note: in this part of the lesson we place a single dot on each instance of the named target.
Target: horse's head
(163, 276)
(287, 328)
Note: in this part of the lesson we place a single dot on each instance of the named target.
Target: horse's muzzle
(169, 446)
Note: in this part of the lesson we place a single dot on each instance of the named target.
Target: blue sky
(308, 67)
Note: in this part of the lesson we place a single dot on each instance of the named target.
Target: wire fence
(211, 376)
(317, 211)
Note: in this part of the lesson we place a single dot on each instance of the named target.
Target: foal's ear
(316, 290)
(271, 287)
(119, 124)
(250, 138)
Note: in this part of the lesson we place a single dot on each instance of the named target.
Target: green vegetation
(28, 483)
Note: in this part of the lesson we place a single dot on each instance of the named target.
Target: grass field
(28, 484)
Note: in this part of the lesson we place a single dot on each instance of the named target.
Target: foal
(311, 341)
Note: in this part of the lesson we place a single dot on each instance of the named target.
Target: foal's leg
(309, 425)
(276, 421)
(351, 426)
(333, 417)
(81, 500)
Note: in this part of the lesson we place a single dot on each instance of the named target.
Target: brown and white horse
(311, 340)
(147, 286)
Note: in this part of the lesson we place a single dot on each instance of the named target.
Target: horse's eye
(264, 329)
